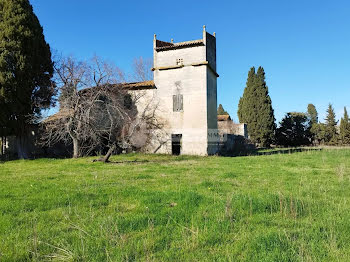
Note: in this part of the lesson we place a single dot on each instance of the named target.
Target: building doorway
(176, 144)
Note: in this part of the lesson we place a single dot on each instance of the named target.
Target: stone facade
(185, 81)
(229, 127)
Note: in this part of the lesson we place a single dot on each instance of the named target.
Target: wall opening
(176, 144)
(178, 103)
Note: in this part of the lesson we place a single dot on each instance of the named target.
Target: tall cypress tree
(331, 126)
(221, 110)
(244, 108)
(312, 114)
(345, 128)
(266, 118)
(26, 69)
(255, 109)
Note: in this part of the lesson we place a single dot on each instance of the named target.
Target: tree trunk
(75, 147)
(106, 157)
(3, 141)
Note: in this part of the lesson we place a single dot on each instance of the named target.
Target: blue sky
(304, 46)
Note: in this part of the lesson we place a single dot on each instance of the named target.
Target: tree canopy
(293, 130)
(255, 108)
(26, 67)
(331, 126)
(344, 128)
(221, 110)
(312, 114)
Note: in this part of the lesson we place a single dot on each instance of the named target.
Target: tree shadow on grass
(136, 161)
(265, 151)
(286, 151)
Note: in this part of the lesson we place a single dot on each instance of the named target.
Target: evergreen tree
(319, 132)
(26, 69)
(255, 109)
(312, 114)
(221, 110)
(331, 126)
(244, 108)
(345, 128)
(266, 120)
(293, 130)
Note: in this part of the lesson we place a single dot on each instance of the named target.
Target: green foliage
(312, 114)
(293, 130)
(345, 128)
(282, 207)
(255, 109)
(331, 135)
(319, 132)
(26, 68)
(221, 110)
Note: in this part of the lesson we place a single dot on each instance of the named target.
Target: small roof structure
(57, 116)
(162, 45)
(139, 85)
(144, 85)
(224, 118)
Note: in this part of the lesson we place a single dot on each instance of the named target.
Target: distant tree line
(296, 128)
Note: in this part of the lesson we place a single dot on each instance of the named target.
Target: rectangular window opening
(176, 141)
(178, 103)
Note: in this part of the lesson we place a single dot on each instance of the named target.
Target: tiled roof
(139, 85)
(162, 46)
(59, 115)
(224, 117)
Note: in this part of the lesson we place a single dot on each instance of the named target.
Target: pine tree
(345, 128)
(331, 126)
(26, 68)
(221, 110)
(255, 109)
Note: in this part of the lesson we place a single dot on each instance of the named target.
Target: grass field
(282, 207)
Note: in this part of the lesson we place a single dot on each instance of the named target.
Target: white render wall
(189, 81)
(198, 85)
(213, 134)
(189, 55)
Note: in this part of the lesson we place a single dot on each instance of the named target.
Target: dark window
(127, 101)
(176, 144)
(179, 61)
(177, 103)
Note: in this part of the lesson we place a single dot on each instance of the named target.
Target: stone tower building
(185, 79)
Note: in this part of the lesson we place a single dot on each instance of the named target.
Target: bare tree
(142, 69)
(78, 100)
(143, 124)
(98, 111)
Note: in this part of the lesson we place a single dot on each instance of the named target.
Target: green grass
(282, 207)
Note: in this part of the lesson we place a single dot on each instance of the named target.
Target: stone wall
(229, 127)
